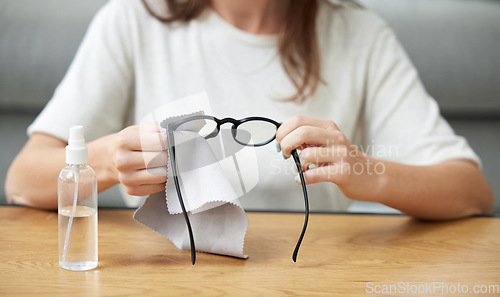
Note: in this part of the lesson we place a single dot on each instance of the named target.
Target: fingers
(144, 190)
(299, 121)
(324, 163)
(322, 155)
(326, 154)
(144, 137)
(143, 176)
(307, 136)
(143, 181)
(141, 159)
(303, 137)
(127, 160)
(336, 173)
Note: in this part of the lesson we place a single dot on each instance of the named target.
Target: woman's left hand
(328, 156)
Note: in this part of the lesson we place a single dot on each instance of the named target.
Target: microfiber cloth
(217, 218)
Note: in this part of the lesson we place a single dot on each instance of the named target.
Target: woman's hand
(328, 156)
(136, 157)
(450, 189)
(140, 159)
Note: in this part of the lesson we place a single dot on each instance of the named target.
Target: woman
(333, 73)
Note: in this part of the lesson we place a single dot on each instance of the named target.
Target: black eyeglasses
(251, 131)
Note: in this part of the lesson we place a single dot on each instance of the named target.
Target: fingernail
(278, 147)
(283, 154)
(296, 178)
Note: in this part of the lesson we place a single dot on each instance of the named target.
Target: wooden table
(342, 255)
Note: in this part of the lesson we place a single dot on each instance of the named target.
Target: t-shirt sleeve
(403, 122)
(97, 89)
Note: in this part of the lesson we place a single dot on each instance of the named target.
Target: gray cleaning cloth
(217, 218)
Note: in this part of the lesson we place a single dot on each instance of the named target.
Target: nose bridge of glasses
(229, 120)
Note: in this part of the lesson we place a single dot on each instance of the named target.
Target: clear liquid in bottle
(81, 250)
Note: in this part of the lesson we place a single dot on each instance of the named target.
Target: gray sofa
(453, 43)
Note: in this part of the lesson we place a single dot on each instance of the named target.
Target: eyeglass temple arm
(173, 163)
(306, 202)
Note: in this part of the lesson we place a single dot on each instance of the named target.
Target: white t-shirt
(129, 63)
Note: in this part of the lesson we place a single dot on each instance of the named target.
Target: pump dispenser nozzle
(76, 150)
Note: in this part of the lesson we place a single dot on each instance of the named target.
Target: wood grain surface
(342, 255)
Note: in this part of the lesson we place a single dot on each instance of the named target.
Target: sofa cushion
(455, 45)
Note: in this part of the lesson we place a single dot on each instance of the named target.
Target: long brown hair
(297, 45)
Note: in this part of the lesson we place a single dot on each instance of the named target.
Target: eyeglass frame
(171, 127)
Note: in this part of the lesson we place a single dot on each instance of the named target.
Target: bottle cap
(76, 150)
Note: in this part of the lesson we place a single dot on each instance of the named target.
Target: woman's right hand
(135, 157)
(140, 159)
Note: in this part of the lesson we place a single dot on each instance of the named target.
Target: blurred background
(455, 45)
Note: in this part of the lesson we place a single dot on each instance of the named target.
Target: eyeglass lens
(208, 126)
(255, 132)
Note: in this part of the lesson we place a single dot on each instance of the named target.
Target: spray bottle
(77, 207)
